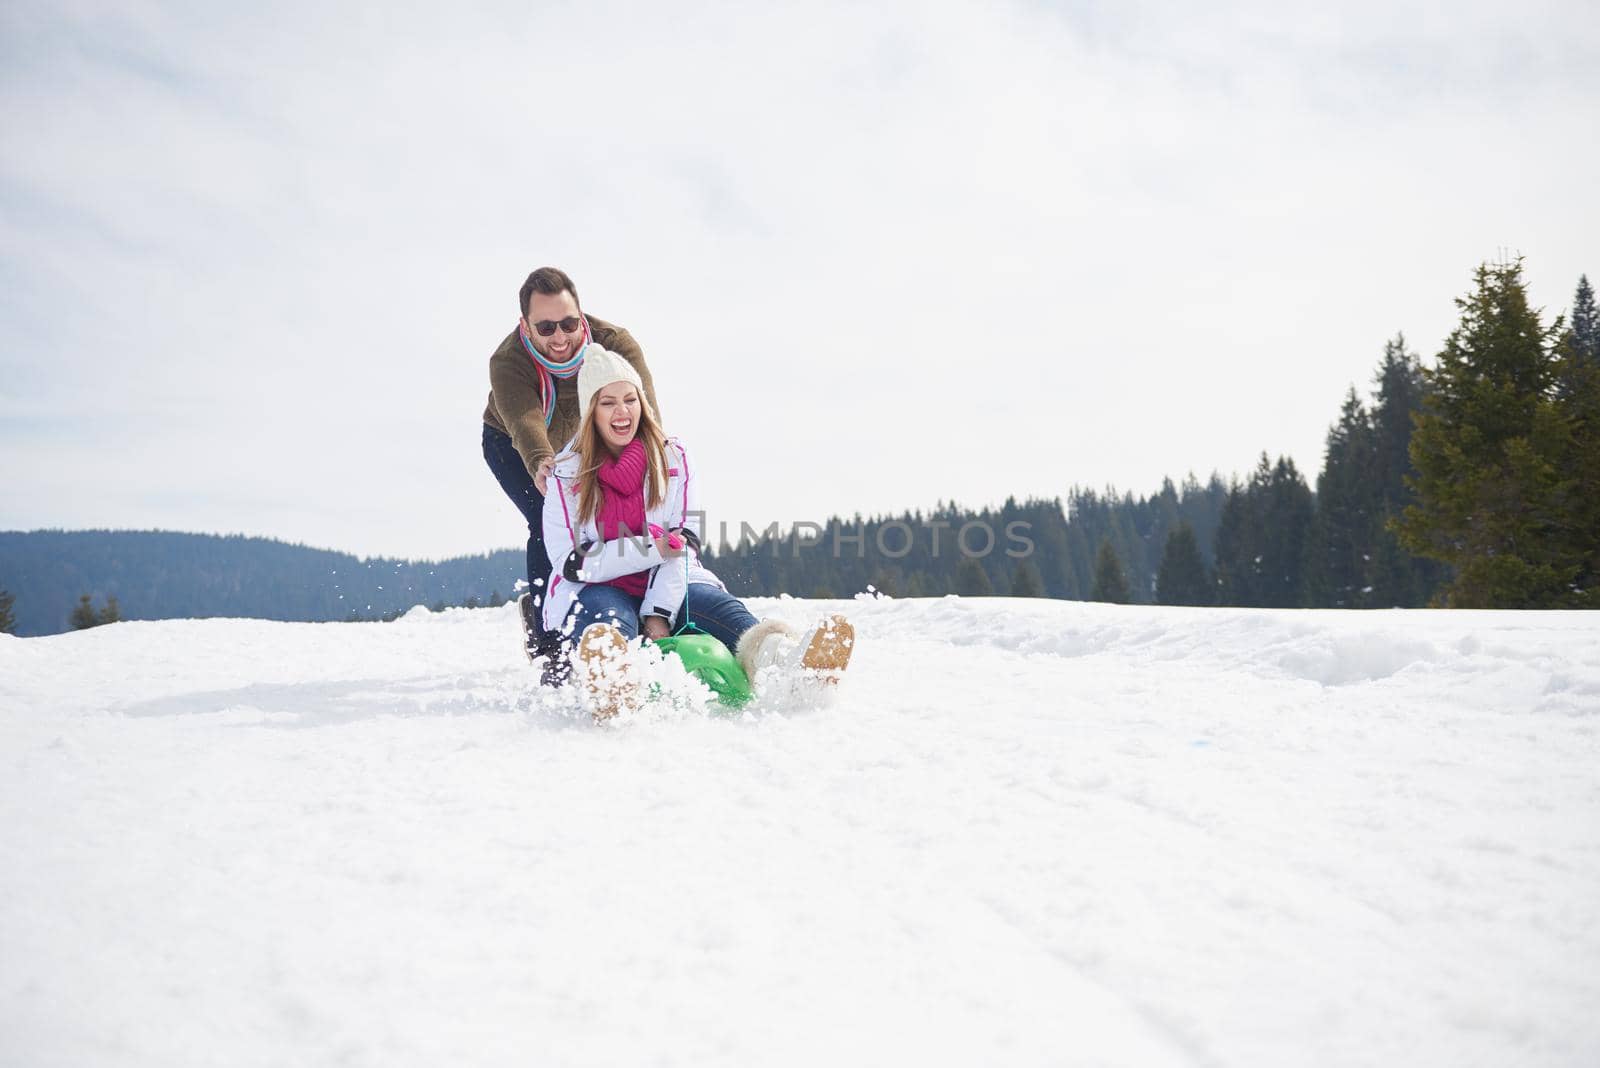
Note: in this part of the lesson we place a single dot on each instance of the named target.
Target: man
(533, 408)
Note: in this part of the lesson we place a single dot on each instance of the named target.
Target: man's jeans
(512, 474)
(710, 608)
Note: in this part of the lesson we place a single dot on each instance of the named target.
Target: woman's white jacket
(601, 561)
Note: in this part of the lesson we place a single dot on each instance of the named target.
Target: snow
(1026, 831)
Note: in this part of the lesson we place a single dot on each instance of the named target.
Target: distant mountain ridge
(158, 574)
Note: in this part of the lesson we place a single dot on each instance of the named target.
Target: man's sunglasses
(570, 325)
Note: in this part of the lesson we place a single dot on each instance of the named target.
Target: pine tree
(1492, 499)
(1290, 511)
(1237, 561)
(972, 580)
(1182, 578)
(8, 619)
(1349, 512)
(84, 616)
(112, 612)
(1578, 400)
(1263, 538)
(1110, 584)
(1577, 354)
(1585, 324)
(1025, 581)
(1398, 579)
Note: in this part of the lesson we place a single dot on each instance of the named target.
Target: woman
(623, 536)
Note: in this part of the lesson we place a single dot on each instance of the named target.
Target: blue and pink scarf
(549, 371)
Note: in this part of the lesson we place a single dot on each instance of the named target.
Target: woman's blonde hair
(592, 452)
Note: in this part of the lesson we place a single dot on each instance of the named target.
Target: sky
(253, 261)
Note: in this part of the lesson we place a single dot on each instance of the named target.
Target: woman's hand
(669, 543)
(654, 627)
(542, 476)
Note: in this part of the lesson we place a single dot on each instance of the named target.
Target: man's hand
(655, 627)
(542, 476)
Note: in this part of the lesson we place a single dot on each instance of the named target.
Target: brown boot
(828, 651)
(610, 685)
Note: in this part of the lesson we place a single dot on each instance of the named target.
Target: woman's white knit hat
(601, 367)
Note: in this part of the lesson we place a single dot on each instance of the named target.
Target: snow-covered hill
(1027, 832)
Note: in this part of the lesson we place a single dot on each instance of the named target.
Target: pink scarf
(621, 513)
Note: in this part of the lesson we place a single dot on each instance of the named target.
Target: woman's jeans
(512, 474)
(711, 609)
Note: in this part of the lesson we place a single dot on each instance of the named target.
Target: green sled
(710, 661)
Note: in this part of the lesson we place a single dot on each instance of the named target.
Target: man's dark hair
(547, 280)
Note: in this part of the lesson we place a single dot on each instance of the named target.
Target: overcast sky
(255, 258)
